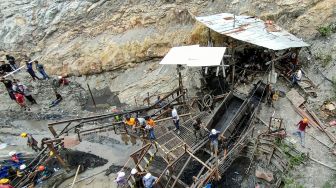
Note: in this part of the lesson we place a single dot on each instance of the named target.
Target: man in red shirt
(20, 100)
(301, 130)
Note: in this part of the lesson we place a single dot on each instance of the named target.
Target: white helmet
(12, 153)
(59, 77)
(22, 167)
(121, 174)
(213, 131)
(148, 175)
(134, 171)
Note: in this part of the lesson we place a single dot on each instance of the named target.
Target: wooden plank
(295, 97)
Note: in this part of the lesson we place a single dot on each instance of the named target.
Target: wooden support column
(59, 158)
(52, 130)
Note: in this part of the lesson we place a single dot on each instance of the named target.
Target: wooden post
(52, 130)
(94, 102)
(59, 158)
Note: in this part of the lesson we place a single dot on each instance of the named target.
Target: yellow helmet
(51, 153)
(305, 120)
(23, 135)
(4, 181)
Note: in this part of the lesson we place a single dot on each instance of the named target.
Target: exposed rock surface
(91, 36)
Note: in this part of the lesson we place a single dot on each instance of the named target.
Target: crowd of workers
(18, 91)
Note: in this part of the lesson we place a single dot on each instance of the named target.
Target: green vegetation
(326, 31)
(293, 158)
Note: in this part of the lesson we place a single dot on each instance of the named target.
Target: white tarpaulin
(177, 55)
(252, 30)
(194, 56)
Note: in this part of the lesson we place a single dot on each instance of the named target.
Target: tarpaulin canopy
(194, 56)
(252, 30)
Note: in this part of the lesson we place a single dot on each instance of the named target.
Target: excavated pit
(104, 99)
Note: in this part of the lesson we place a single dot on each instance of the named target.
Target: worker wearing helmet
(31, 142)
(150, 124)
(5, 183)
(214, 137)
(301, 130)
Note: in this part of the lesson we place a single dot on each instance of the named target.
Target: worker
(43, 173)
(197, 124)
(40, 69)
(270, 95)
(20, 171)
(296, 77)
(5, 183)
(19, 98)
(11, 61)
(14, 157)
(140, 123)
(130, 121)
(62, 81)
(301, 130)
(150, 124)
(149, 180)
(5, 67)
(214, 137)
(138, 178)
(9, 86)
(121, 180)
(176, 120)
(58, 99)
(31, 141)
(20, 88)
(31, 71)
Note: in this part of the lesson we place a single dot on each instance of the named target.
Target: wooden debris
(263, 174)
(295, 97)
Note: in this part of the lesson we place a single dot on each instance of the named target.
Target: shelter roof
(194, 56)
(252, 30)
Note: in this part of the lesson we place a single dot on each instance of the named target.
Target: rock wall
(81, 37)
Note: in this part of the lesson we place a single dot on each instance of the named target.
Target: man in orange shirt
(130, 121)
(150, 124)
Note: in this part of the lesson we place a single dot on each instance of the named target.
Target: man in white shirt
(296, 77)
(176, 120)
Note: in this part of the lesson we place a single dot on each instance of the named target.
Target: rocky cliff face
(91, 36)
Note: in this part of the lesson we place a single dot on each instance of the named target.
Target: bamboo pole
(74, 180)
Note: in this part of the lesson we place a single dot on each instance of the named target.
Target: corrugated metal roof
(194, 56)
(252, 30)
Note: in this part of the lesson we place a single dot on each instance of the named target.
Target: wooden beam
(59, 158)
(197, 159)
(181, 171)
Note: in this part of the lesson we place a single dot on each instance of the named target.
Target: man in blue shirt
(214, 137)
(40, 68)
(149, 180)
(31, 71)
